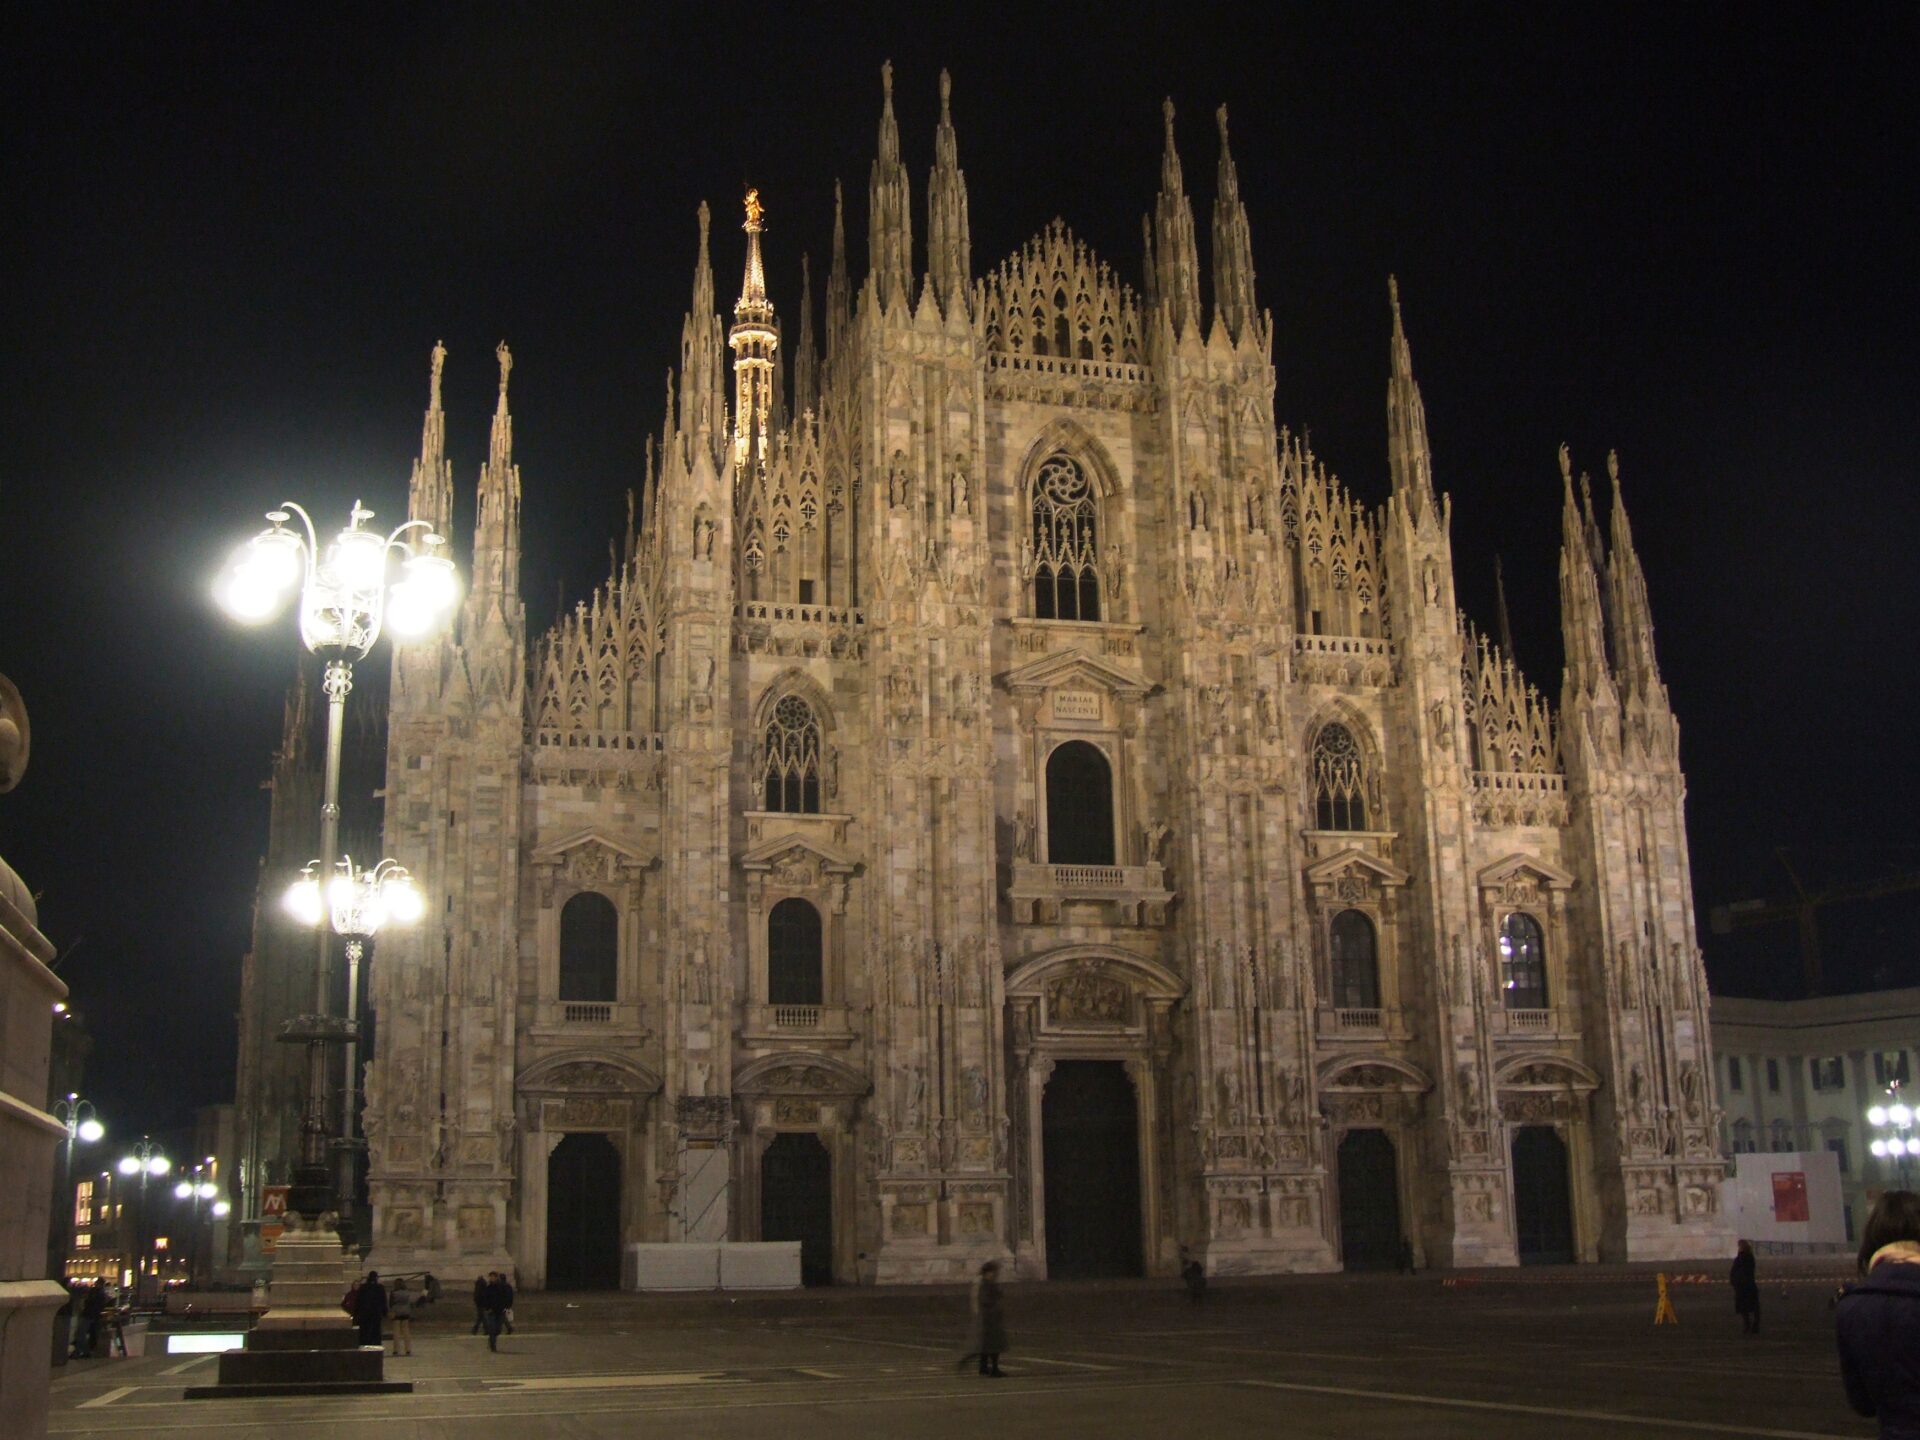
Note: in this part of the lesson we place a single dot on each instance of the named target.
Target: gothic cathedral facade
(1009, 801)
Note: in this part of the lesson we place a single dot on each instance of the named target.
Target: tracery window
(1066, 577)
(589, 948)
(1354, 963)
(794, 972)
(1523, 963)
(792, 774)
(1339, 780)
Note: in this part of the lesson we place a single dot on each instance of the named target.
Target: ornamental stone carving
(1089, 996)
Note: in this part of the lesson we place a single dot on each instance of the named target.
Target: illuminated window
(83, 1203)
(1523, 963)
(83, 1241)
(1355, 968)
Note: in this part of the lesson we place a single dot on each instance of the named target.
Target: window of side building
(1736, 1081)
(1773, 1077)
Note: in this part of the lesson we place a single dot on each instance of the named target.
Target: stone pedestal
(305, 1344)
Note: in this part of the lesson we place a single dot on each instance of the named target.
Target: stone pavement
(1562, 1353)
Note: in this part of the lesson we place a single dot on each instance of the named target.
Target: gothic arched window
(1355, 967)
(1339, 780)
(793, 955)
(1523, 962)
(792, 775)
(1066, 551)
(1079, 806)
(589, 948)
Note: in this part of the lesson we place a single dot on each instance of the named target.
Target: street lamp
(84, 1126)
(196, 1189)
(359, 903)
(146, 1161)
(346, 595)
(1902, 1146)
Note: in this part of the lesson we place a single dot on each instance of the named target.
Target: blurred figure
(1746, 1289)
(480, 1303)
(400, 1306)
(1879, 1319)
(1194, 1274)
(370, 1309)
(990, 1319)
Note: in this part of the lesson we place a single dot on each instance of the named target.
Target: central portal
(1369, 1201)
(796, 1201)
(583, 1213)
(1090, 1138)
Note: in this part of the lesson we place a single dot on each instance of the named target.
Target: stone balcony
(586, 1021)
(1529, 1024)
(1359, 1022)
(797, 1026)
(1089, 894)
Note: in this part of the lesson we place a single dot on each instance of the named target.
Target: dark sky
(236, 232)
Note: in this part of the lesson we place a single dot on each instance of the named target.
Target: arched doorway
(1091, 1170)
(796, 1201)
(1542, 1197)
(1369, 1201)
(1079, 806)
(583, 1213)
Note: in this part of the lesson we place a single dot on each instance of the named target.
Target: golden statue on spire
(755, 210)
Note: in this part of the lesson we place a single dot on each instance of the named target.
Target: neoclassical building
(1008, 799)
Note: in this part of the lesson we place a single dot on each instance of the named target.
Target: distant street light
(360, 903)
(1902, 1146)
(83, 1126)
(345, 598)
(146, 1161)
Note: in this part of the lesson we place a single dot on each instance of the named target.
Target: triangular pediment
(559, 850)
(791, 848)
(1353, 858)
(1523, 866)
(1067, 668)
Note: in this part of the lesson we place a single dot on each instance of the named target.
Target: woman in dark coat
(370, 1309)
(990, 1319)
(1746, 1289)
(1878, 1320)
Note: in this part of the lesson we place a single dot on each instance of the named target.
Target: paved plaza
(1569, 1354)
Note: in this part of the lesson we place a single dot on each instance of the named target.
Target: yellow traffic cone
(1663, 1311)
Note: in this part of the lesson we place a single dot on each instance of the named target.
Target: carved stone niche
(1089, 990)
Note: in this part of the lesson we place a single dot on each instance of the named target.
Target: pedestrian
(91, 1309)
(400, 1306)
(506, 1301)
(370, 1309)
(990, 1331)
(479, 1303)
(1194, 1274)
(1879, 1319)
(1746, 1289)
(492, 1307)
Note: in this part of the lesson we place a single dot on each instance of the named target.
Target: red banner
(1789, 1195)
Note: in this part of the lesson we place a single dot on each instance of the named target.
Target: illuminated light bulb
(435, 579)
(1876, 1114)
(206, 1191)
(403, 899)
(159, 1165)
(410, 612)
(303, 901)
(182, 1191)
(221, 1209)
(358, 559)
(1879, 1149)
(1900, 1115)
(92, 1130)
(128, 1165)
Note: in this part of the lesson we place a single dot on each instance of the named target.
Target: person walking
(493, 1307)
(370, 1309)
(91, 1309)
(1746, 1289)
(506, 1301)
(990, 1322)
(1194, 1274)
(480, 1303)
(400, 1306)
(1878, 1320)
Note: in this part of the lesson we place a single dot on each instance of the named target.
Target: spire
(430, 491)
(754, 340)
(496, 525)
(949, 264)
(703, 403)
(1632, 616)
(1233, 299)
(839, 304)
(889, 213)
(1409, 459)
(1177, 260)
(1500, 612)
(806, 358)
(1582, 624)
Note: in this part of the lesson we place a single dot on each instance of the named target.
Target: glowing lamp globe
(358, 558)
(128, 1165)
(183, 1191)
(92, 1130)
(221, 1209)
(1900, 1115)
(206, 1191)
(1876, 1114)
(404, 903)
(159, 1165)
(410, 613)
(303, 901)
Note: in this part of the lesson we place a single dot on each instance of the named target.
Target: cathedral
(1008, 800)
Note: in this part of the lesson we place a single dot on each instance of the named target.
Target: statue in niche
(1023, 834)
(1293, 1094)
(1691, 1104)
(959, 501)
(702, 537)
(913, 1104)
(1470, 1112)
(897, 479)
(1269, 720)
(973, 1084)
(1637, 1094)
(1227, 1089)
(1431, 577)
(833, 771)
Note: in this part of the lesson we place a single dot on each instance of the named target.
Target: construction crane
(1803, 908)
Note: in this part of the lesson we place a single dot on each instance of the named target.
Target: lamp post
(146, 1161)
(195, 1188)
(359, 904)
(345, 599)
(84, 1126)
(1901, 1146)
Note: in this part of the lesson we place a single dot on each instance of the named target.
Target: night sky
(236, 232)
